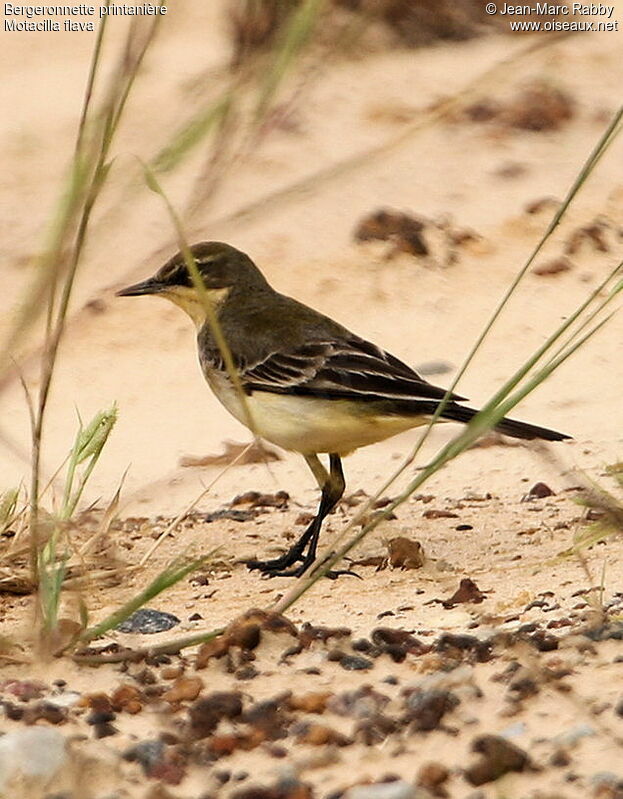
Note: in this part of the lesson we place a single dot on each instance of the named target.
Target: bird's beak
(149, 286)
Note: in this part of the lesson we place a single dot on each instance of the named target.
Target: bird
(302, 381)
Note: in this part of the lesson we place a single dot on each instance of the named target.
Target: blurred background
(391, 162)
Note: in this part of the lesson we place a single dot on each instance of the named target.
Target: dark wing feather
(348, 369)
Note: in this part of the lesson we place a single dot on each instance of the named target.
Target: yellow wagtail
(310, 385)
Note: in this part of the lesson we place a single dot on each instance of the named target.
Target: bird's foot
(276, 568)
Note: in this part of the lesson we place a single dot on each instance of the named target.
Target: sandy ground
(363, 136)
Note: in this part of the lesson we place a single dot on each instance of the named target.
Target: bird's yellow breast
(308, 424)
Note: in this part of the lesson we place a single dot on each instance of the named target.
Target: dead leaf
(257, 453)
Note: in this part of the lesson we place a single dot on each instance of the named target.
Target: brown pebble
(461, 646)
(184, 688)
(170, 769)
(256, 500)
(310, 633)
(538, 491)
(309, 703)
(146, 677)
(522, 686)
(498, 757)
(98, 702)
(405, 553)
(539, 107)
(51, 713)
(104, 730)
(434, 513)
(247, 672)
(216, 648)
(360, 703)
(227, 744)
(560, 758)
(403, 230)
(549, 204)
(392, 635)
(276, 750)
(222, 745)
(591, 235)
(171, 672)
(374, 730)
(13, 712)
(426, 709)
(205, 713)
(290, 789)
(127, 698)
(320, 734)
(432, 777)
(245, 633)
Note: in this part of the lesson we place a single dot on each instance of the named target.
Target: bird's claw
(277, 568)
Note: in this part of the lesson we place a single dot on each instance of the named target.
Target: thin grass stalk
(586, 322)
(296, 35)
(8, 508)
(171, 647)
(109, 120)
(192, 133)
(52, 567)
(88, 92)
(109, 515)
(528, 365)
(88, 446)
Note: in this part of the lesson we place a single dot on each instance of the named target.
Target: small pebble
(34, 753)
(355, 663)
(147, 621)
(498, 757)
(398, 789)
(147, 753)
(426, 709)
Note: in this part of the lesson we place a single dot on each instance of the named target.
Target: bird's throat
(188, 299)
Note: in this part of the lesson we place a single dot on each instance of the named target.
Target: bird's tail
(509, 427)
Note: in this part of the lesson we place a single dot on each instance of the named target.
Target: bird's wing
(346, 369)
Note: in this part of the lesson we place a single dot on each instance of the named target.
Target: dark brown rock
(405, 553)
(498, 757)
(205, 713)
(426, 709)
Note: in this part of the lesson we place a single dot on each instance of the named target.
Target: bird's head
(221, 267)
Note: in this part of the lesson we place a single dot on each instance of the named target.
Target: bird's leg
(332, 492)
(332, 485)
